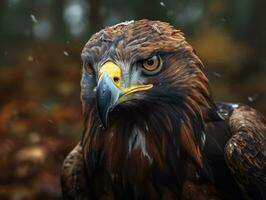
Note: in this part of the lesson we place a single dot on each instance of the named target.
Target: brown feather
(129, 146)
(144, 150)
(245, 152)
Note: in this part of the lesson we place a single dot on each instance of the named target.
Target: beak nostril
(116, 79)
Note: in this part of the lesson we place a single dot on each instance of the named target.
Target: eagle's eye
(152, 65)
(88, 68)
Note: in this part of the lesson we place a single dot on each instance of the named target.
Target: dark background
(40, 45)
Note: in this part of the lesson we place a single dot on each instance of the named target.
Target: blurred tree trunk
(2, 7)
(59, 26)
(150, 9)
(95, 18)
(254, 37)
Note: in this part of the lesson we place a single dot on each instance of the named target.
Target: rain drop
(66, 53)
(30, 58)
(162, 4)
(217, 74)
(33, 18)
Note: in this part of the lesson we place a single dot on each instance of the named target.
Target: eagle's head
(144, 74)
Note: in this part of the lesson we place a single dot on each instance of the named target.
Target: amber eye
(152, 65)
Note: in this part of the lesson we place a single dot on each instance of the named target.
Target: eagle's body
(152, 130)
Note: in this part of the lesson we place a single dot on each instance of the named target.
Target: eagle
(151, 127)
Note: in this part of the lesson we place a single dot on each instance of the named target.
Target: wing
(217, 135)
(73, 179)
(245, 151)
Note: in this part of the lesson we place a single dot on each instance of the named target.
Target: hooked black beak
(107, 96)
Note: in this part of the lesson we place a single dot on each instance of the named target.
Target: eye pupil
(150, 62)
(88, 68)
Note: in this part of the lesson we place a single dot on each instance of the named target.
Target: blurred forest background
(40, 66)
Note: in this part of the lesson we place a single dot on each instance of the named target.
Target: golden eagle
(151, 128)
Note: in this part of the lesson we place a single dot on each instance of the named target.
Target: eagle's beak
(109, 91)
(107, 95)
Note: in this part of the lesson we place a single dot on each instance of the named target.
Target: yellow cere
(113, 71)
(115, 74)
